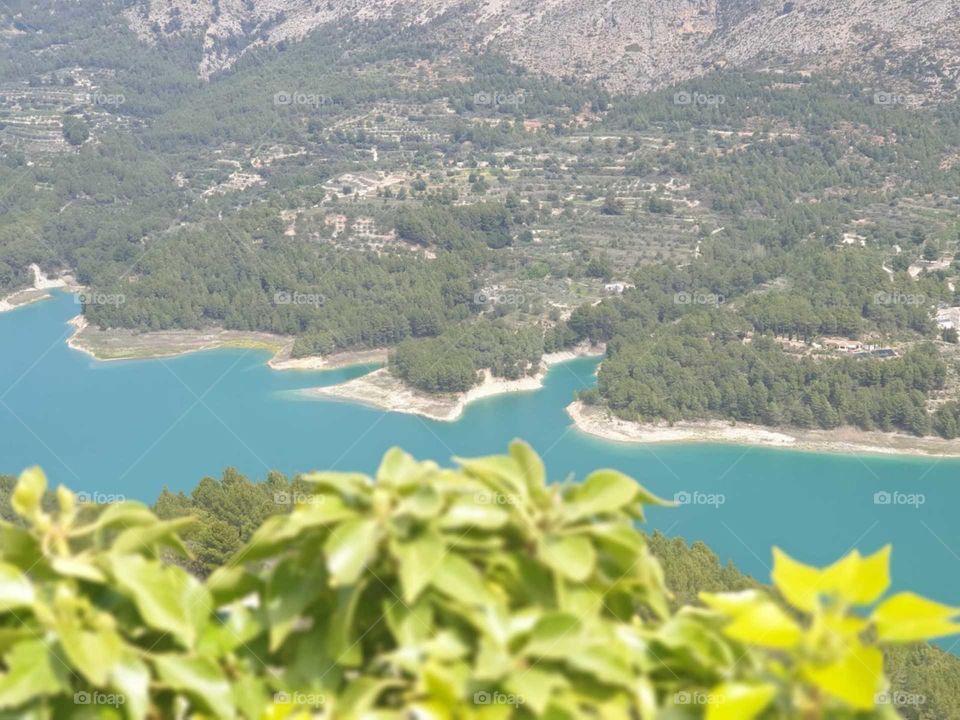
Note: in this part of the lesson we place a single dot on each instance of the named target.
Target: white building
(948, 318)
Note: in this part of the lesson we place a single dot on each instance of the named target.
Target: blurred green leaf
(349, 548)
(419, 559)
(32, 671)
(168, 598)
(16, 591)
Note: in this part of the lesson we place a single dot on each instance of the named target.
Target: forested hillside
(370, 187)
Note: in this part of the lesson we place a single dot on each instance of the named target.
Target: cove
(130, 428)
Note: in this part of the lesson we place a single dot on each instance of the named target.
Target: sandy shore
(118, 344)
(131, 345)
(382, 390)
(580, 351)
(41, 284)
(599, 422)
(21, 298)
(283, 361)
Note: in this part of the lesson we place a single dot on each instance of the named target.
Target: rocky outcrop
(627, 44)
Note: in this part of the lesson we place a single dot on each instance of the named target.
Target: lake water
(130, 428)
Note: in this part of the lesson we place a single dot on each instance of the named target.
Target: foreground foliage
(480, 592)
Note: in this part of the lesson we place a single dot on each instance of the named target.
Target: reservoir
(129, 428)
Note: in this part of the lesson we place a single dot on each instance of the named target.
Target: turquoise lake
(130, 428)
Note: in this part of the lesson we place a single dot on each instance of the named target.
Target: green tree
(75, 130)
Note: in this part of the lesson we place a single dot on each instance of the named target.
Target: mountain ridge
(638, 46)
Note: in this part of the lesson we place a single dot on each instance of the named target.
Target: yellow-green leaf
(349, 548)
(800, 584)
(500, 472)
(602, 492)
(533, 467)
(739, 701)
(907, 617)
(423, 504)
(132, 678)
(766, 625)
(859, 580)
(200, 678)
(534, 688)
(479, 513)
(28, 493)
(291, 587)
(66, 500)
(572, 557)
(419, 559)
(556, 636)
(399, 469)
(94, 653)
(15, 588)
(459, 579)
(168, 598)
(733, 603)
(32, 671)
(78, 566)
(855, 678)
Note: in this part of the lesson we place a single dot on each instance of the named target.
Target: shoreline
(380, 390)
(117, 345)
(383, 391)
(336, 361)
(41, 284)
(113, 345)
(376, 389)
(22, 298)
(599, 422)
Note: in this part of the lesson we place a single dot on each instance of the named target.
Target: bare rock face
(874, 39)
(627, 44)
(640, 43)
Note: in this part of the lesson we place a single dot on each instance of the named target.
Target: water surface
(132, 427)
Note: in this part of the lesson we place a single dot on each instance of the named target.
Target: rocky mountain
(627, 44)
